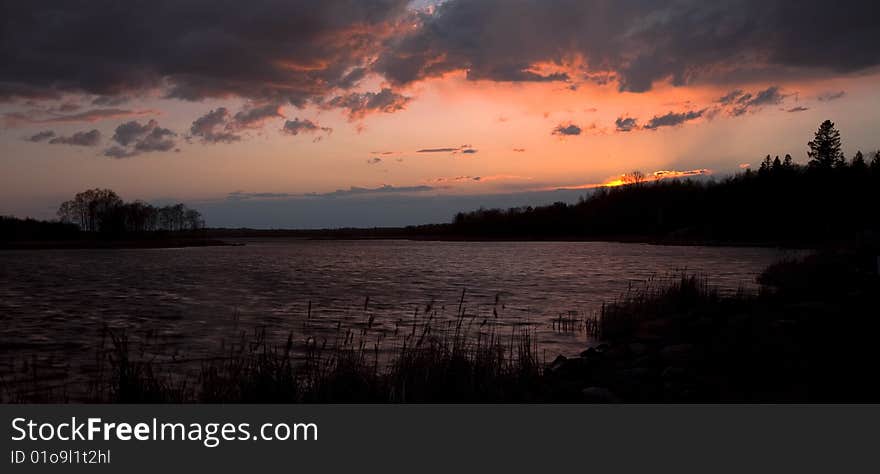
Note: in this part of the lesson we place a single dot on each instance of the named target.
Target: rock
(599, 395)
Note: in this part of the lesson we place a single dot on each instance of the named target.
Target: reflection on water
(53, 304)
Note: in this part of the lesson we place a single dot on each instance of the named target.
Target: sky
(305, 114)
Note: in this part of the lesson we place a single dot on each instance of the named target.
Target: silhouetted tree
(875, 163)
(88, 209)
(777, 165)
(787, 163)
(634, 177)
(764, 170)
(825, 150)
(858, 163)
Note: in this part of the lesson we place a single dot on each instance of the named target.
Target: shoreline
(115, 244)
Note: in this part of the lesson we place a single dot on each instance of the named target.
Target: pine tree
(765, 166)
(875, 163)
(858, 162)
(825, 150)
(786, 163)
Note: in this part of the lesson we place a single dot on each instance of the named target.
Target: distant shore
(114, 244)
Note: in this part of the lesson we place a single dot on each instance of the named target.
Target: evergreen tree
(875, 163)
(825, 150)
(858, 162)
(764, 170)
(777, 165)
(786, 163)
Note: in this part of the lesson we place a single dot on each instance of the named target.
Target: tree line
(827, 198)
(102, 214)
(103, 211)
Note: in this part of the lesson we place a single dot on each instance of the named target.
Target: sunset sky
(273, 113)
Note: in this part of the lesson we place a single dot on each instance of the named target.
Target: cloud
(798, 109)
(465, 149)
(737, 102)
(90, 138)
(49, 116)
(297, 126)
(665, 174)
(374, 160)
(266, 50)
(829, 96)
(519, 150)
(672, 119)
(626, 124)
(134, 138)
(359, 104)
(384, 189)
(301, 52)
(515, 73)
(637, 43)
(437, 150)
(41, 136)
(214, 127)
(243, 196)
(254, 115)
(353, 191)
(566, 130)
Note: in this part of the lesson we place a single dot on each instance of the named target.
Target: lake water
(54, 303)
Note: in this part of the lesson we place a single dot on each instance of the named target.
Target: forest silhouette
(100, 214)
(827, 199)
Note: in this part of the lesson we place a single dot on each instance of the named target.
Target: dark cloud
(297, 126)
(47, 116)
(109, 100)
(282, 50)
(730, 97)
(519, 150)
(738, 102)
(384, 189)
(798, 109)
(242, 196)
(255, 114)
(353, 191)
(134, 138)
(515, 73)
(829, 96)
(41, 136)
(374, 160)
(214, 127)
(672, 119)
(638, 42)
(466, 149)
(359, 104)
(437, 150)
(566, 130)
(626, 124)
(90, 138)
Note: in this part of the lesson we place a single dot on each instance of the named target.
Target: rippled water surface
(54, 303)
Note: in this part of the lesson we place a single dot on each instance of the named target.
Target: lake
(187, 302)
